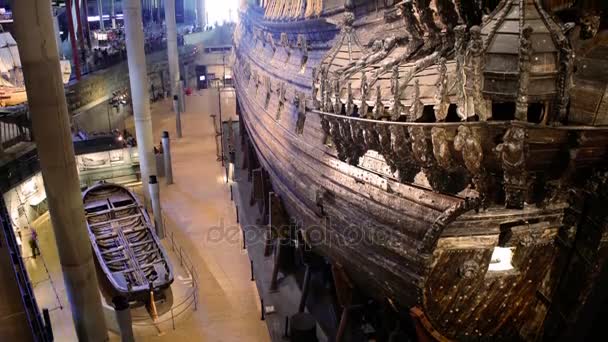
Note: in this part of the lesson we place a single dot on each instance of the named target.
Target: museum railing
(15, 126)
(185, 303)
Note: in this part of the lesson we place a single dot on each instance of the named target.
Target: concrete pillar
(113, 14)
(167, 158)
(138, 77)
(100, 12)
(178, 116)
(51, 125)
(172, 47)
(156, 210)
(123, 317)
(201, 14)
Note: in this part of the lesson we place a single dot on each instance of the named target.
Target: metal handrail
(190, 300)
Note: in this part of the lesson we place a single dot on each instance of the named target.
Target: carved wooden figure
(525, 56)
(436, 192)
(474, 61)
(396, 110)
(378, 111)
(364, 95)
(417, 108)
(441, 94)
(512, 152)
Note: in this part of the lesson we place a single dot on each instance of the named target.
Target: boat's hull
(127, 249)
(409, 241)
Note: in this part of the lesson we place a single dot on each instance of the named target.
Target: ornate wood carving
(411, 21)
(392, 14)
(378, 111)
(525, 57)
(247, 71)
(364, 95)
(315, 90)
(469, 269)
(432, 235)
(385, 145)
(420, 148)
(379, 50)
(401, 158)
(323, 80)
(325, 126)
(427, 20)
(370, 136)
(300, 104)
(358, 138)
(302, 44)
(258, 35)
(281, 92)
(468, 142)
(336, 138)
(440, 179)
(270, 41)
(336, 97)
(441, 93)
(284, 41)
(447, 13)
(441, 147)
(417, 108)
(396, 111)
(327, 105)
(460, 50)
(256, 81)
(351, 148)
(565, 82)
(350, 105)
(474, 60)
(512, 152)
(268, 86)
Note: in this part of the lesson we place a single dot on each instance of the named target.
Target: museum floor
(198, 202)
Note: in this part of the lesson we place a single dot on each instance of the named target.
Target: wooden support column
(278, 230)
(345, 293)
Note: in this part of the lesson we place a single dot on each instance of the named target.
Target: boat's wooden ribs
(124, 239)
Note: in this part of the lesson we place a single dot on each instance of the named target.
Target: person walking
(34, 243)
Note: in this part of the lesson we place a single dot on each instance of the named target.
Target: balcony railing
(15, 127)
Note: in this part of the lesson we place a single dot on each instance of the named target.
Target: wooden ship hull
(127, 249)
(468, 225)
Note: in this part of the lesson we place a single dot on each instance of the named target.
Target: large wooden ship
(127, 249)
(451, 162)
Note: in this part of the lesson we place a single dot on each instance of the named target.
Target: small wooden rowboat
(125, 244)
